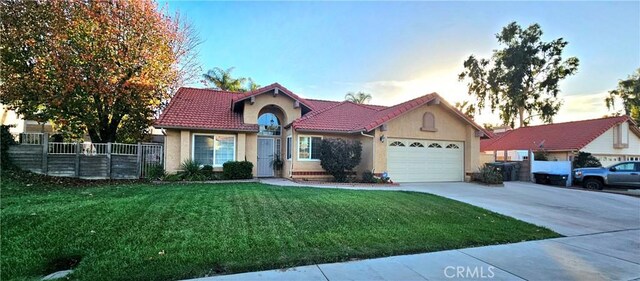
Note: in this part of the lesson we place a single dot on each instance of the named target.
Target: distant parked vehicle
(621, 174)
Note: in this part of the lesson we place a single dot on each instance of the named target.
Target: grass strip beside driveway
(164, 232)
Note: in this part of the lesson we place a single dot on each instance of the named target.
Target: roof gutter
(362, 133)
(208, 129)
(328, 131)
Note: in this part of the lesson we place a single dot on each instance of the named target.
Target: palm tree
(252, 85)
(223, 81)
(359, 97)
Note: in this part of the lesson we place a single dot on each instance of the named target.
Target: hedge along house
(424, 139)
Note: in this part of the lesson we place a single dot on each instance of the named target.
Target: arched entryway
(270, 121)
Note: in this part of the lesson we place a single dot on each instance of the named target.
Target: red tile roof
(345, 117)
(203, 109)
(567, 136)
(352, 117)
(212, 109)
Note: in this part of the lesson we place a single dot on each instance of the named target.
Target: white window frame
(288, 154)
(193, 147)
(310, 148)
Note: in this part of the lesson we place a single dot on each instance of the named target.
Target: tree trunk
(521, 115)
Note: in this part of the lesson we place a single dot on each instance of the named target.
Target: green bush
(339, 156)
(488, 175)
(237, 170)
(585, 160)
(540, 156)
(156, 172)
(367, 177)
(6, 139)
(207, 168)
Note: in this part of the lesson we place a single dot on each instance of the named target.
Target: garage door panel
(415, 164)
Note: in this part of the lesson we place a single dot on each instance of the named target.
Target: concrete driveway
(602, 243)
(566, 211)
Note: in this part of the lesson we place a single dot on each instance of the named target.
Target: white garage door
(425, 160)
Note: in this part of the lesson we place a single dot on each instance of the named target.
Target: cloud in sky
(389, 92)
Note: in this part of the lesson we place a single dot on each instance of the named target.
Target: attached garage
(411, 160)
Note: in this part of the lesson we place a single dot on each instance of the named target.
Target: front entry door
(265, 157)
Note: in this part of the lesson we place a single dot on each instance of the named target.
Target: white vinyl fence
(552, 167)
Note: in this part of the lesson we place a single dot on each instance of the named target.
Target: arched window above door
(269, 124)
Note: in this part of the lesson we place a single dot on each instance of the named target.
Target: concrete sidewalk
(605, 256)
(603, 240)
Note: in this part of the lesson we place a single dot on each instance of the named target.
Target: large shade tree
(628, 92)
(520, 79)
(97, 67)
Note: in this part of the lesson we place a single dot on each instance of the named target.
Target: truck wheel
(593, 184)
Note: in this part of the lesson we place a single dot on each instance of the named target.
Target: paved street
(602, 243)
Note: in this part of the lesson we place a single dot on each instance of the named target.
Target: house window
(452, 145)
(428, 122)
(269, 125)
(416, 144)
(289, 147)
(435, 145)
(278, 148)
(213, 150)
(396, 143)
(309, 148)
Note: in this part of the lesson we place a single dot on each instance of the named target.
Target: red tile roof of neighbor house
(213, 109)
(567, 136)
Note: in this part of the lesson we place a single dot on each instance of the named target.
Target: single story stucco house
(423, 139)
(610, 139)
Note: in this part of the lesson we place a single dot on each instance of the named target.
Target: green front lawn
(164, 232)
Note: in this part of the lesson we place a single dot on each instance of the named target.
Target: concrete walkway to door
(602, 243)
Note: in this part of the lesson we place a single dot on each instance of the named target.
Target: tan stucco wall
(178, 147)
(485, 158)
(281, 101)
(172, 150)
(449, 127)
(366, 161)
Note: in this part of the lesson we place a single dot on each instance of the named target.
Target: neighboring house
(21, 125)
(424, 139)
(611, 140)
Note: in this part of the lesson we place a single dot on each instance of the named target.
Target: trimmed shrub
(585, 160)
(488, 175)
(367, 177)
(237, 170)
(339, 156)
(207, 168)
